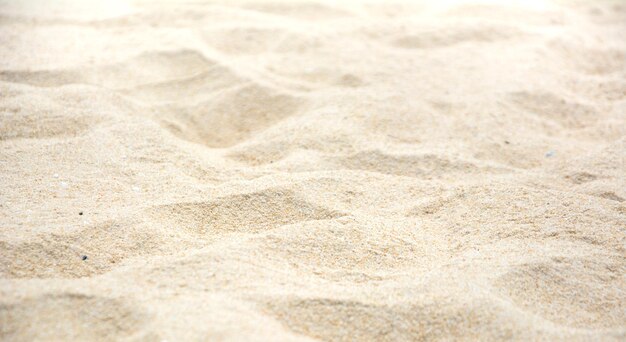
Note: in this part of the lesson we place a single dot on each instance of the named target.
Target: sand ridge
(312, 170)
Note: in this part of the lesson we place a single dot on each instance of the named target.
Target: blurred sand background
(371, 171)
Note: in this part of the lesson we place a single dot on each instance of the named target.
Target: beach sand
(368, 171)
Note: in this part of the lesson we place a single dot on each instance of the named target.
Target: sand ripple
(269, 170)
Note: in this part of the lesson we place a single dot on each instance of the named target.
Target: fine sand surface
(269, 171)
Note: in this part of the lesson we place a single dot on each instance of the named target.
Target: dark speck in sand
(80, 213)
(84, 257)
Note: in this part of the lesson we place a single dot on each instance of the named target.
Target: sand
(298, 171)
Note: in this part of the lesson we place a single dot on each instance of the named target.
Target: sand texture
(321, 170)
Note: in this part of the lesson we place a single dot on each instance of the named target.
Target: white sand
(320, 170)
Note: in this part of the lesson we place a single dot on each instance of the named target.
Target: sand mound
(313, 170)
(69, 316)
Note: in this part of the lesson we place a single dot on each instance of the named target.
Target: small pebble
(80, 213)
(63, 184)
(550, 154)
(84, 257)
(56, 175)
(506, 142)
